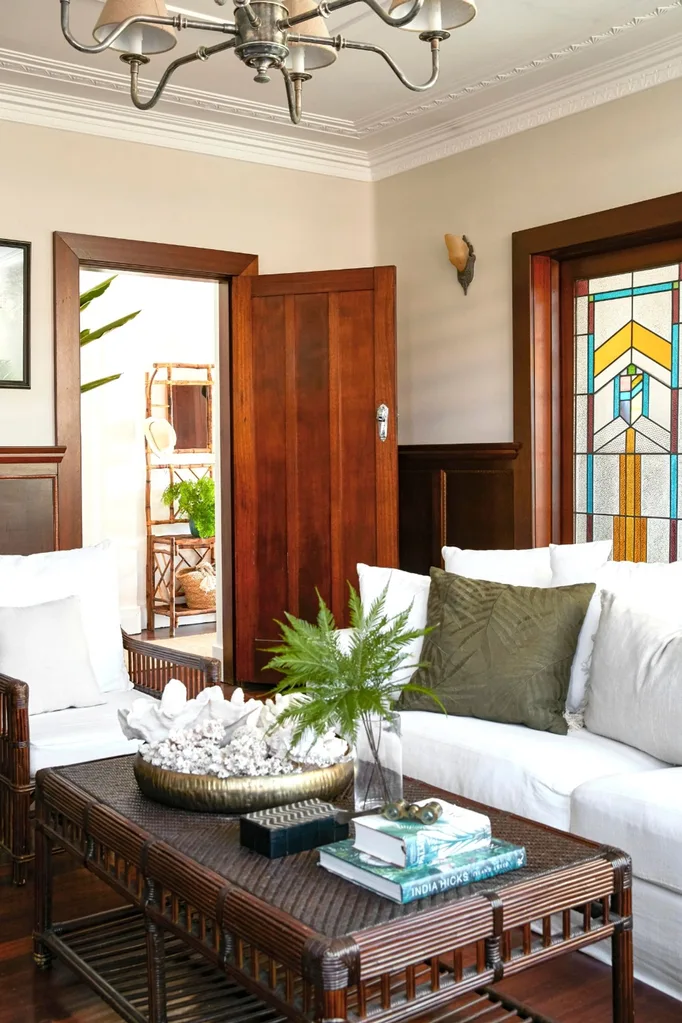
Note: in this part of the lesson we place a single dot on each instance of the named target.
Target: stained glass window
(628, 416)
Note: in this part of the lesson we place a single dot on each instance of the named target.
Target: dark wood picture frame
(542, 500)
(24, 381)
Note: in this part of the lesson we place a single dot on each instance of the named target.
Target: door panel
(315, 489)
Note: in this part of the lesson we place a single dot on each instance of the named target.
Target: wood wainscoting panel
(456, 494)
(29, 494)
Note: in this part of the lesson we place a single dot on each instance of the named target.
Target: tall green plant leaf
(95, 292)
(99, 383)
(94, 335)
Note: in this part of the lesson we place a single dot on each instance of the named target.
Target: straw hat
(160, 436)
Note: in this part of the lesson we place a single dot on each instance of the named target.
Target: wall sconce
(461, 255)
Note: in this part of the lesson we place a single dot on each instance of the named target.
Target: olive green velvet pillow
(500, 652)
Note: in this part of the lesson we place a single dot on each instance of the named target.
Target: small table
(211, 931)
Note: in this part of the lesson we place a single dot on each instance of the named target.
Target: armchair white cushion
(90, 574)
(82, 734)
(45, 646)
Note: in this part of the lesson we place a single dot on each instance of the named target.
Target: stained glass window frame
(625, 398)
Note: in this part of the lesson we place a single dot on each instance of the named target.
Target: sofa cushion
(659, 586)
(635, 690)
(89, 573)
(403, 589)
(81, 734)
(519, 568)
(44, 645)
(500, 652)
(514, 768)
(641, 814)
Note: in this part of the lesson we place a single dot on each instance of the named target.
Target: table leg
(622, 964)
(156, 965)
(42, 897)
(332, 1006)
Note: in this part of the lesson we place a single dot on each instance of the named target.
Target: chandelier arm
(176, 21)
(203, 53)
(435, 63)
(294, 95)
(325, 8)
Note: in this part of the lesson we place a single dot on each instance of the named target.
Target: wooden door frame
(73, 251)
(537, 255)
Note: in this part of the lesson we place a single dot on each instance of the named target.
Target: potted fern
(351, 683)
(196, 500)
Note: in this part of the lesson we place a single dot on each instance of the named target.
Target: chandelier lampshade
(139, 38)
(436, 15)
(308, 56)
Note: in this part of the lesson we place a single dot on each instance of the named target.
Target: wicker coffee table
(209, 931)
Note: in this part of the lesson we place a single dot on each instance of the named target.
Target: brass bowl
(208, 794)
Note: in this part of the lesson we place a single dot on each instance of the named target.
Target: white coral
(226, 738)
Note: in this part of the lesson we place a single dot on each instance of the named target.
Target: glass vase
(378, 762)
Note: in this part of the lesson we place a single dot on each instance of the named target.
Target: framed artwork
(15, 284)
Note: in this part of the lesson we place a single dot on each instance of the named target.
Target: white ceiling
(519, 63)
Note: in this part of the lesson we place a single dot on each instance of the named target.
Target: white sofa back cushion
(517, 568)
(635, 688)
(44, 645)
(89, 573)
(658, 585)
(402, 589)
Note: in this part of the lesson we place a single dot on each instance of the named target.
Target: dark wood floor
(573, 989)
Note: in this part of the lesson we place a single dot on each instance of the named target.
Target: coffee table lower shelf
(109, 951)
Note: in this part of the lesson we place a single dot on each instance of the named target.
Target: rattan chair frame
(150, 666)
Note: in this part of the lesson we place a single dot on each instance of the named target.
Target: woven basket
(199, 587)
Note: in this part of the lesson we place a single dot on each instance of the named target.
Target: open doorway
(150, 427)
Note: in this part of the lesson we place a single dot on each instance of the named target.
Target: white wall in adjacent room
(177, 323)
(455, 353)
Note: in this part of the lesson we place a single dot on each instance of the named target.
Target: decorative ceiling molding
(197, 99)
(655, 66)
(371, 125)
(70, 113)
(632, 73)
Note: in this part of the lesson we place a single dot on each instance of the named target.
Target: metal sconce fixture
(262, 38)
(462, 256)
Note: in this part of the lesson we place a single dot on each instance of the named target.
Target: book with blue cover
(406, 843)
(408, 885)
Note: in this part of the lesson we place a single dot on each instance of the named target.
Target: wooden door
(315, 488)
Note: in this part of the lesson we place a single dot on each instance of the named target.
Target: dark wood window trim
(73, 251)
(537, 258)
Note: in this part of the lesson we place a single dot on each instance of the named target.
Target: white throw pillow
(402, 589)
(517, 568)
(636, 680)
(45, 646)
(579, 563)
(658, 585)
(89, 573)
(574, 563)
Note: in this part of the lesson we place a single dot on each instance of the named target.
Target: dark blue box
(293, 828)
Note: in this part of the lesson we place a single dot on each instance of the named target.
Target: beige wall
(454, 361)
(61, 181)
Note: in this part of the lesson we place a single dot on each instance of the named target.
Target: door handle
(382, 420)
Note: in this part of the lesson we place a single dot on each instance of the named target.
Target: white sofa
(584, 783)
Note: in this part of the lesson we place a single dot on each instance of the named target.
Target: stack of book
(406, 860)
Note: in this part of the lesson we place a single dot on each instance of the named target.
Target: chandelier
(264, 35)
